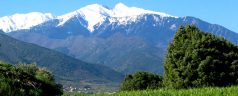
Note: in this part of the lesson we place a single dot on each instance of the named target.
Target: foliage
(197, 59)
(27, 80)
(140, 81)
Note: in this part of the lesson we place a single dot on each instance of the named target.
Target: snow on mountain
(121, 10)
(95, 14)
(23, 21)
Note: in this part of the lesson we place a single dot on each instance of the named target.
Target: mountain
(23, 21)
(67, 70)
(96, 14)
(127, 39)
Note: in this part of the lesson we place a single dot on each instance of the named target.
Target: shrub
(141, 81)
(197, 59)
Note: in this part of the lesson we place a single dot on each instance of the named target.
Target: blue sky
(222, 12)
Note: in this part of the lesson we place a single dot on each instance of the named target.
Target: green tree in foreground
(198, 59)
(141, 81)
(27, 80)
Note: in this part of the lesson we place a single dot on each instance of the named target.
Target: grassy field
(211, 91)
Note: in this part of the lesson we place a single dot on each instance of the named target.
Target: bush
(27, 80)
(141, 81)
(197, 59)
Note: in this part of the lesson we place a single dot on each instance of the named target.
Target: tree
(141, 81)
(197, 59)
(27, 80)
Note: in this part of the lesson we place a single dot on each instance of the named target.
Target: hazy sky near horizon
(222, 12)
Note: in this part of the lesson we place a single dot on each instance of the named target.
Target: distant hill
(66, 69)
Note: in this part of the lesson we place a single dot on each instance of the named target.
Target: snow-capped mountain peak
(95, 14)
(120, 6)
(121, 10)
(23, 21)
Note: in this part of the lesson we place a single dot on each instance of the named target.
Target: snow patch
(173, 27)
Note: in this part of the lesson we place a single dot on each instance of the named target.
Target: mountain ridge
(99, 13)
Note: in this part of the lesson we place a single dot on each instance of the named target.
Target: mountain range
(126, 39)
